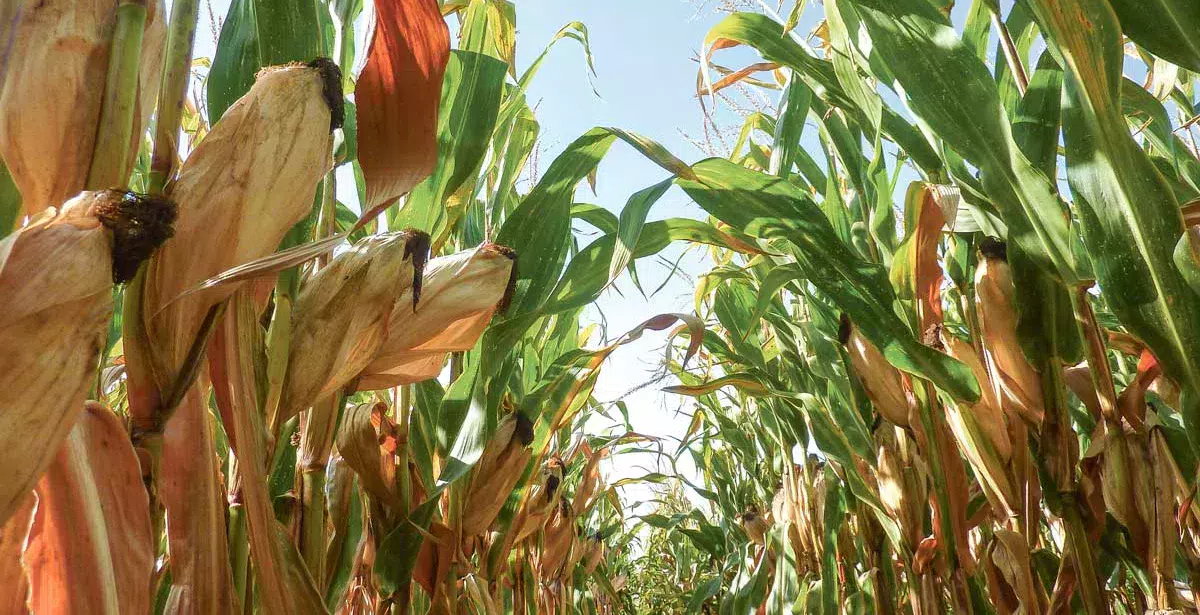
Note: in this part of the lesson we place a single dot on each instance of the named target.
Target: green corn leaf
(769, 208)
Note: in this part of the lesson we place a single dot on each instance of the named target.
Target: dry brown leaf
(189, 485)
(53, 90)
(90, 549)
(398, 94)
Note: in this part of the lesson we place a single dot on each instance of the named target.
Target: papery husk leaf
(189, 486)
(90, 549)
(250, 179)
(55, 321)
(53, 90)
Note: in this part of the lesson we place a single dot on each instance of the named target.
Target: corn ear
(541, 502)
(245, 185)
(343, 315)
(1018, 384)
(497, 472)
(883, 383)
(53, 90)
(459, 294)
(755, 526)
(56, 278)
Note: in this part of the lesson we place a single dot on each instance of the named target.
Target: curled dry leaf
(90, 549)
(398, 93)
(53, 89)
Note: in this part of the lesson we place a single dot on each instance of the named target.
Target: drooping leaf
(767, 207)
(397, 95)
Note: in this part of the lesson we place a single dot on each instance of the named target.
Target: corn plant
(961, 375)
(226, 390)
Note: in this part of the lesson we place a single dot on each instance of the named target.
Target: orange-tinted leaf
(12, 544)
(189, 485)
(279, 588)
(916, 272)
(90, 549)
(398, 93)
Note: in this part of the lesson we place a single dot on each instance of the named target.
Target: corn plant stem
(239, 548)
(403, 412)
(1011, 56)
(316, 445)
(115, 129)
(173, 92)
(1085, 564)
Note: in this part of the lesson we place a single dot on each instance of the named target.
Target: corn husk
(557, 540)
(1017, 384)
(755, 526)
(594, 555)
(91, 549)
(12, 544)
(497, 472)
(53, 89)
(542, 501)
(459, 295)
(882, 382)
(343, 315)
(56, 279)
(245, 185)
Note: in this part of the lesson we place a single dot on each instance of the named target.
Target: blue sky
(646, 77)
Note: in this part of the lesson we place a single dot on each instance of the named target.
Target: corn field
(946, 358)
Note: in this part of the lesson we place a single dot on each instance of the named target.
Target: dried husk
(56, 318)
(883, 383)
(459, 294)
(54, 86)
(343, 315)
(541, 502)
(12, 544)
(245, 185)
(754, 525)
(595, 554)
(90, 549)
(557, 538)
(497, 472)
(1017, 384)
